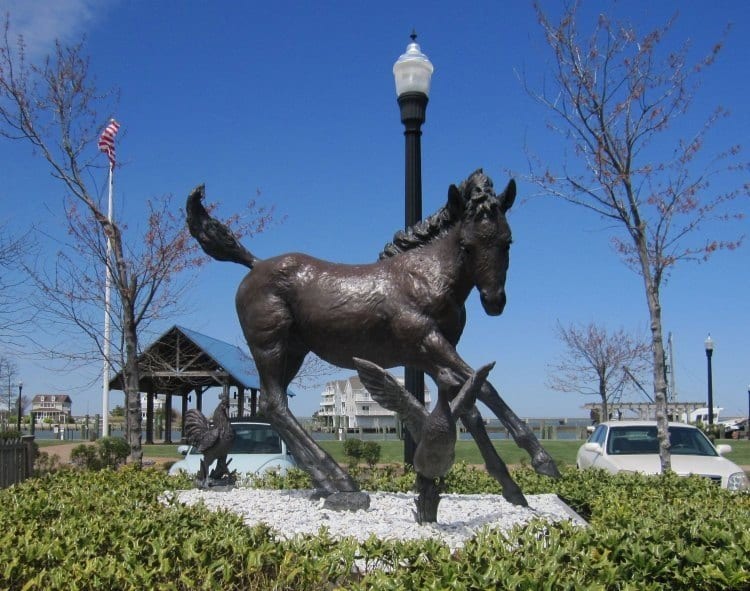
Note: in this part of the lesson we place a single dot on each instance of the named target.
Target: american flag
(107, 140)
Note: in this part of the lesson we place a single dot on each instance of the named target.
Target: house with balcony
(56, 407)
(346, 404)
(158, 405)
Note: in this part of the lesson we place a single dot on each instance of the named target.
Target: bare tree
(57, 109)
(8, 380)
(615, 96)
(11, 305)
(596, 362)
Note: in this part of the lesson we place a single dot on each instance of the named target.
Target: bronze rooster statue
(434, 433)
(214, 440)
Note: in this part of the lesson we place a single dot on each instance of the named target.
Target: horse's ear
(455, 201)
(508, 196)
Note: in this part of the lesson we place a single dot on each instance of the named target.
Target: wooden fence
(16, 459)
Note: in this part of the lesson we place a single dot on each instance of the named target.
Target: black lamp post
(709, 353)
(20, 389)
(413, 72)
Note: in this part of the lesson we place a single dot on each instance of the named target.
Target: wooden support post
(150, 417)
(168, 419)
(240, 402)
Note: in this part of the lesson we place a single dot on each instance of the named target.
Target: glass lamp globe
(413, 70)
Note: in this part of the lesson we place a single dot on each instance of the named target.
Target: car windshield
(252, 439)
(634, 440)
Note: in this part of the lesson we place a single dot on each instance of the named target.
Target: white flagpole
(107, 320)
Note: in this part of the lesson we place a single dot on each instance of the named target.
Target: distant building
(348, 405)
(158, 404)
(52, 406)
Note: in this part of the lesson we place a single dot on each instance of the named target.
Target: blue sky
(296, 99)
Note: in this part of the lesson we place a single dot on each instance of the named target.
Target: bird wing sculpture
(213, 236)
(467, 396)
(391, 395)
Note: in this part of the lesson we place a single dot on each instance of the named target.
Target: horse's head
(484, 235)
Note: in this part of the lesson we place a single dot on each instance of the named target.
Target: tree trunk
(660, 382)
(657, 345)
(131, 386)
(603, 394)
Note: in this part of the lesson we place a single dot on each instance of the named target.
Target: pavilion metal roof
(182, 359)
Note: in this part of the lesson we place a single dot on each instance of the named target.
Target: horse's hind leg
(472, 420)
(326, 474)
(520, 431)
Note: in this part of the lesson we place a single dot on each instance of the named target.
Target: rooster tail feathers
(215, 238)
(196, 425)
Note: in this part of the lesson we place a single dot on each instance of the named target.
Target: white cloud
(42, 21)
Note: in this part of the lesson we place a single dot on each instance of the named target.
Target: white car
(257, 447)
(632, 446)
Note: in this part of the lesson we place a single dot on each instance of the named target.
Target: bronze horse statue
(406, 309)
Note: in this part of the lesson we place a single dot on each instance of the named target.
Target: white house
(51, 406)
(347, 404)
(158, 404)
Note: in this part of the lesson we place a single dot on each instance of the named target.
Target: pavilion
(182, 362)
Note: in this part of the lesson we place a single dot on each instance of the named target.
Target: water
(74, 435)
(568, 429)
(549, 428)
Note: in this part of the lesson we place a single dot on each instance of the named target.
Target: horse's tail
(216, 239)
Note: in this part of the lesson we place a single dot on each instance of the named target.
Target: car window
(642, 439)
(598, 435)
(632, 440)
(252, 439)
(684, 441)
(256, 439)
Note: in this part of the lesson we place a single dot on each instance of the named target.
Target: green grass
(392, 452)
(740, 451)
(563, 452)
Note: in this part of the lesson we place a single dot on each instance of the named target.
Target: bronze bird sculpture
(214, 440)
(435, 432)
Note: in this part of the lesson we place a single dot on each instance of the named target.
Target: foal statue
(406, 309)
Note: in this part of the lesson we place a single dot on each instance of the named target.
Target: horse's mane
(439, 222)
(420, 233)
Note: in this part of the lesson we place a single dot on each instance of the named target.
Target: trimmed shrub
(107, 452)
(371, 453)
(85, 456)
(353, 449)
(119, 530)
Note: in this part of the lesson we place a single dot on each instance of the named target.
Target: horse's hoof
(515, 497)
(545, 466)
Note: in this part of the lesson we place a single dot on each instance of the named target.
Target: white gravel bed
(390, 516)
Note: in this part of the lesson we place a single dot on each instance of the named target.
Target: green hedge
(109, 530)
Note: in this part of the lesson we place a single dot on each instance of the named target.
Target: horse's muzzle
(493, 305)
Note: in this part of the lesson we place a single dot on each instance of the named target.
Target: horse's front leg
(450, 371)
(519, 430)
(451, 366)
(473, 421)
